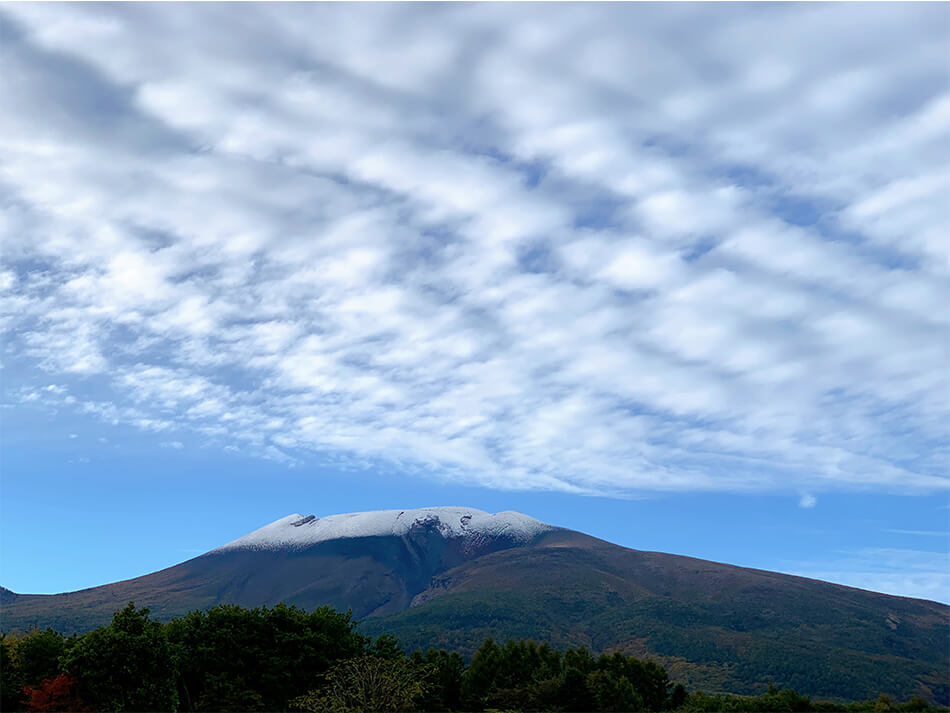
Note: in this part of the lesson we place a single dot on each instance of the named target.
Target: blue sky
(674, 275)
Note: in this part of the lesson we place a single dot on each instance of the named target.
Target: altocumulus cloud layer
(590, 248)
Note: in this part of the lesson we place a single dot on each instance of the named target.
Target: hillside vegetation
(717, 627)
(229, 658)
(713, 626)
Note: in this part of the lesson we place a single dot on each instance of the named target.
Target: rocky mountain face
(449, 577)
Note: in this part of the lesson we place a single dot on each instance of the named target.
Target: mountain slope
(452, 576)
(715, 626)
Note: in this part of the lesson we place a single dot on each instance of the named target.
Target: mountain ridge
(449, 577)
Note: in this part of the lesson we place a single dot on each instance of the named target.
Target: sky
(675, 275)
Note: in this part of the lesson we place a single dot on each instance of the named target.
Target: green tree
(236, 659)
(914, 704)
(445, 690)
(222, 692)
(11, 680)
(677, 696)
(574, 695)
(38, 655)
(368, 683)
(527, 676)
(580, 659)
(480, 680)
(784, 700)
(126, 666)
(649, 679)
(883, 703)
(613, 692)
(386, 646)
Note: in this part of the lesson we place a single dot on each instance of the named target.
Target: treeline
(285, 659)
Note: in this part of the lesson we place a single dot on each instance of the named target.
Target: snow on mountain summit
(297, 531)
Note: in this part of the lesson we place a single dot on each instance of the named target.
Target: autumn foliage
(55, 694)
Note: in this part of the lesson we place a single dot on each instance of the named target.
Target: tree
(126, 666)
(228, 693)
(368, 683)
(883, 703)
(524, 662)
(580, 659)
(784, 700)
(445, 690)
(480, 680)
(613, 692)
(11, 680)
(526, 676)
(386, 646)
(237, 659)
(38, 655)
(677, 696)
(914, 704)
(60, 693)
(574, 695)
(649, 679)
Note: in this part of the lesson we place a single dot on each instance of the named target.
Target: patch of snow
(297, 531)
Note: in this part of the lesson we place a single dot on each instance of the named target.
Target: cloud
(596, 249)
(904, 572)
(807, 501)
(922, 533)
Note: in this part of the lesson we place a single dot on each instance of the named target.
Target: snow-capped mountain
(373, 563)
(450, 576)
(473, 526)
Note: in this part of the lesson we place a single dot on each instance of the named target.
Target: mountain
(449, 577)
(373, 563)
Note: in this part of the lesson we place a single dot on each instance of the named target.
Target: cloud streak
(594, 249)
(904, 572)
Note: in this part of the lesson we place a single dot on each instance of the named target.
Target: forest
(283, 658)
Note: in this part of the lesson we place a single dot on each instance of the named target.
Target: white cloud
(807, 501)
(539, 250)
(922, 533)
(904, 572)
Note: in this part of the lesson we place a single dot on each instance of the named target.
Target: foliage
(788, 700)
(26, 661)
(574, 693)
(444, 692)
(527, 676)
(232, 658)
(60, 693)
(368, 683)
(737, 642)
(647, 679)
(38, 655)
(222, 692)
(283, 658)
(386, 646)
(11, 679)
(126, 666)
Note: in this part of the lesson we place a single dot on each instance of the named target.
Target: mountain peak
(297, 531)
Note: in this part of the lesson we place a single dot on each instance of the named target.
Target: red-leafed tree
(55, 694)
